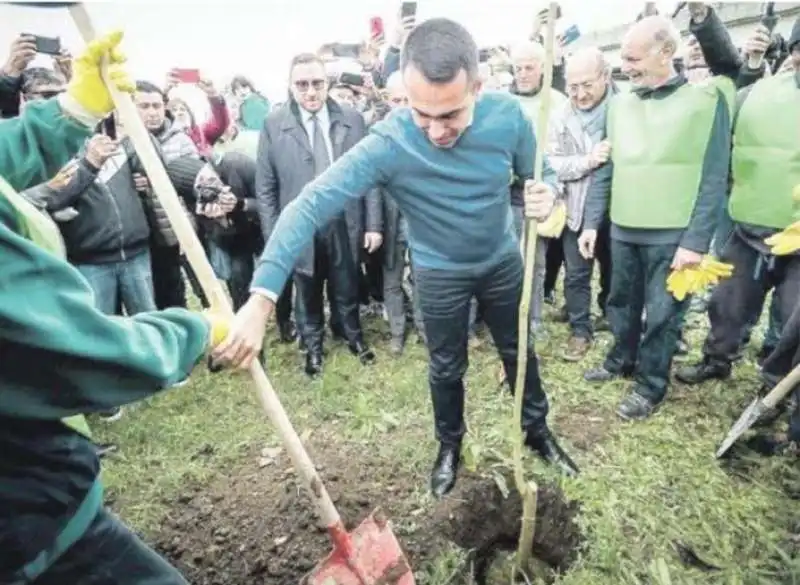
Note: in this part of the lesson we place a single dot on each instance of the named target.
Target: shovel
(757, 408)
(370, 555)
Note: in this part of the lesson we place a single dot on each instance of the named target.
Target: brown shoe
(576, 350)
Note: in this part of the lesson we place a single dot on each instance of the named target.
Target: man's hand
(246, 336)
(372, 241)
(23, 51)
(586, 243)
(685, 259)
(601, 153)
(140, 182)
(63, 177)
(207, 86)
(99, 149)
(539, 200)
(401, 30)
(63, 64)
(698, 11)
(227, 200)
(756, 46)
(87, 87)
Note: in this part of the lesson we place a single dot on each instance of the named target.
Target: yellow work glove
(686, 281)
(220, 327)
(87, 87)
(785, 242)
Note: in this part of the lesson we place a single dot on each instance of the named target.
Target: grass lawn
(184, 455)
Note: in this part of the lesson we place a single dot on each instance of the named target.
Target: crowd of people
(401, 184)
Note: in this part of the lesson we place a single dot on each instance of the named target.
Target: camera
(208, 193)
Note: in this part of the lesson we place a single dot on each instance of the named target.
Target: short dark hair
(34, 77)
(439, 49)
(305, 59)
(149, 87)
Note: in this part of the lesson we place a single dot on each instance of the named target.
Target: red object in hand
(187, 75)
(376, 27)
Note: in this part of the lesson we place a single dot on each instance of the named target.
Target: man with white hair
(527, 60)
(670, 152)
(577, 147)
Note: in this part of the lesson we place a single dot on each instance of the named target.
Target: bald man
(577, 148)
(667, 177)
(527, 60)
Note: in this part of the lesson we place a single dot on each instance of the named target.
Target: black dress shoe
(445, 470)
(545, 445)
(313, 363)
(287, 332)
(364, 353)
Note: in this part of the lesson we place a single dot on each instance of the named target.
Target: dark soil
(256, 526)
(479, 517)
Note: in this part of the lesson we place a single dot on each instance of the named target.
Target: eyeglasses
(303, 85)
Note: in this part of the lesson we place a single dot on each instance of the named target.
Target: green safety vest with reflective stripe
(765, 161)
(658, 147)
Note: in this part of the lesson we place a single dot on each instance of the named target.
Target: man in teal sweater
(447, 162)
(60, 358)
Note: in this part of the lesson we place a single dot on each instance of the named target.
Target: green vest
(658, 147)
(766, 154)
(728, 89)
(42, 231)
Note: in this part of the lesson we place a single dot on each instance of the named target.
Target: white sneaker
(181, 383)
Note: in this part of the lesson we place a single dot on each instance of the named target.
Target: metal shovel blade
(749, 417)
(376, 558)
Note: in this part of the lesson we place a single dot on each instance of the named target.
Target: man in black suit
(297, 143)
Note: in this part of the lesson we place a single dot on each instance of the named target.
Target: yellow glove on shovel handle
(87, 87)
(219, 328)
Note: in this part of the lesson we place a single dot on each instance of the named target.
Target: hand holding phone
(46, 45)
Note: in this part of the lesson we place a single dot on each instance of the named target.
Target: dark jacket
(172, 143)
(110, 224)
(285, 165)
(10, 89)
(242, 231)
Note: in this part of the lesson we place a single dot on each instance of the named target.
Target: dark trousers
(371, 281)
(283, 308)
(444, 298)
(783, 359)
(639, 282)
(110, 554)
(555, 260)
(168, 284)
(334, 263)
(578, 281)
(737, 302)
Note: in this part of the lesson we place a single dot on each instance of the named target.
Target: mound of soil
(256, 526)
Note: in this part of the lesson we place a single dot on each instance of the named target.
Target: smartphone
(186, 75)
(408, 9)
(110, 127)
(47, 45)
(570, 35)
(376, 27)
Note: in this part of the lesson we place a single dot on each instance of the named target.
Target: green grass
(643, 487)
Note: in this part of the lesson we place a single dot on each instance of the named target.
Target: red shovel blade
(370, 555)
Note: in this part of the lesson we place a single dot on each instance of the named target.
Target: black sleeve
(10, 89)
(720, 53)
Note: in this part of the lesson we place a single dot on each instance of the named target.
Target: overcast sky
(258, 38)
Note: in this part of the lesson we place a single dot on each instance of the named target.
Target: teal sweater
(456, 201)
(59, 356)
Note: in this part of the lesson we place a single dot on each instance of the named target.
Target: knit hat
(794, 38)
(183, 172)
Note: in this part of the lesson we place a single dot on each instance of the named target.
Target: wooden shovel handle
(189, 242)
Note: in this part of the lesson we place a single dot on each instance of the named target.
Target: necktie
(321, 158)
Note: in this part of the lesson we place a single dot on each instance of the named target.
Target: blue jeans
(638, 282)
(127, 282)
